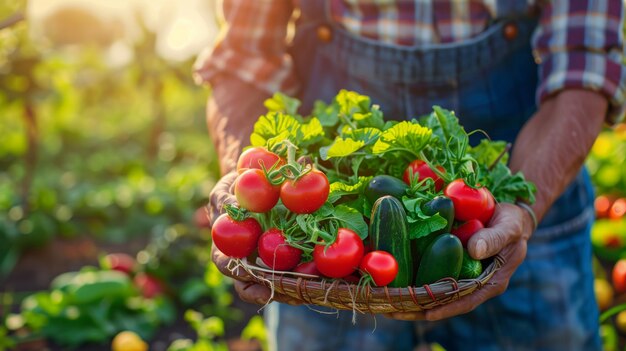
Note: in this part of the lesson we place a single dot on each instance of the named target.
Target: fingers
(221, 195)
(514, 255)
(505, 228)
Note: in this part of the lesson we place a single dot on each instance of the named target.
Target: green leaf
(406, 136)
(280, 102)
(341, 148)
(367, 135)
(507, 187)
(351, 219)
(421, 224)
(420, 227)
(358, 108)
(487, 152)
(327, 114)
(339, 188)
(310, 133)
(351, 102)
(271, 125)
(275, 127)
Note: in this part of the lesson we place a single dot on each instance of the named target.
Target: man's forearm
(231, 112)
(553, 145)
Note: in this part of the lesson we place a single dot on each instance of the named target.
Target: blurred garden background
(104, 150)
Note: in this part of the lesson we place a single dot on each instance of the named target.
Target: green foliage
(115, 152)
(93, 306)
(606, 161)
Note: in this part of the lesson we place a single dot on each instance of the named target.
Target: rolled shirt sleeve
(579, 45)
(253, 46)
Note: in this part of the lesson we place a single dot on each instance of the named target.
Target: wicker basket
(342, 295)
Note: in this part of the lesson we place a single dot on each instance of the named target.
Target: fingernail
(481, 248)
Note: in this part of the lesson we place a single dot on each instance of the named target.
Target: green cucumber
(383, 185)
(445, 207)
(442, 205)
(471, 268)
(442, 259)
(388, 232)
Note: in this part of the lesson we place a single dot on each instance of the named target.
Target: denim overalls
(490, 82)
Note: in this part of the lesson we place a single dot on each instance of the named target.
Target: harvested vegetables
(313, 184)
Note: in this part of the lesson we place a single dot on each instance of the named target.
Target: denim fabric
(490, 82)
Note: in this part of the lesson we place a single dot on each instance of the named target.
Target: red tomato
(307, 268)
(619, 276)
(618, 209)
(381, 265)
(613, 241)
(491, 207)
(255, 156)
(307, 194)
(603, 205)
(254, 192)
(342, 257)
(120, 262)
(236, 239)
(276, 253)
(470, 203)
(353, 278)
(148, 285)
(466, 230)
(421, 167)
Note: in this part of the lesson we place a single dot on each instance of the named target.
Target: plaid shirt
(579, 44)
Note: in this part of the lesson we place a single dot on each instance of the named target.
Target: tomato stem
(236, 213)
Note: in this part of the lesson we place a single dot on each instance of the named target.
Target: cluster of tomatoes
(265, 178)
(261, 183)
(473, 207)
(610, 207)
(148, 285)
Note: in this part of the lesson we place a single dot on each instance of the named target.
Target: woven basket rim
(340, 294)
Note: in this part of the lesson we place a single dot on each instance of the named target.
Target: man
(545, 76)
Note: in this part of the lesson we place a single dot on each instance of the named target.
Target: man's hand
(247, 290)
(555, 141)
(507, 235)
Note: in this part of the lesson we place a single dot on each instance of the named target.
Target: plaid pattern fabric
(579, 44)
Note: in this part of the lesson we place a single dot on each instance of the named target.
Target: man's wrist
(529, 212)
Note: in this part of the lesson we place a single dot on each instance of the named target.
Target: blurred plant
(67, 117)
(181, 258)
(606, 162)
(210, 331)
(91, 306)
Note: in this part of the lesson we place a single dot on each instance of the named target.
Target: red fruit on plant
(613, 241)
(254, 157)
(342, 257)
(470, 203)
(381, 266)
(602, 205)
(466, 230)
(490, 208)
(619, 276)
(120, 262)
(254, 192)
(276, 252)
(307, 268)
(236, 239)
(618, 209)
(307, 194)
(421, 167)
(148, 285)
